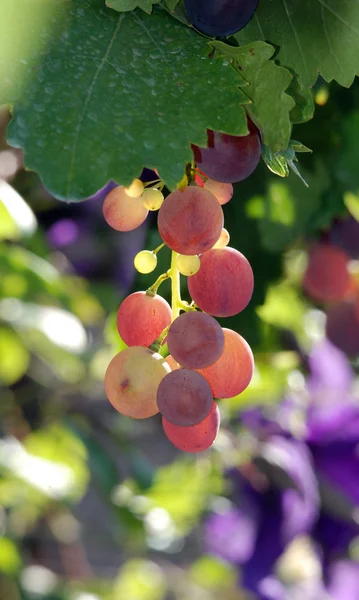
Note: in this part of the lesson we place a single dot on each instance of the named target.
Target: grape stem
(176, 291)
(156, 250)
(152, 291)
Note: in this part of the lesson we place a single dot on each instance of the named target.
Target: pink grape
(229, 158)
(343, 327)
(195, 438)
(224, 284)
(184, 397)
(122, 212)
(327, 278)
(195, 340)
(233, 371)
(190, 221)
(222, 191)
(132, 379)
(141, 318)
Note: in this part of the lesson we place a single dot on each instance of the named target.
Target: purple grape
(219, 18)
(195, 340)
(184, 397)
(343, 327)
(229, 158)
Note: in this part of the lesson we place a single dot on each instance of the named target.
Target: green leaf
(314, 37)
(10, 559)
(351, 201)
(127, 5)
(265, 83)
(140, 580)
(171, 4)
(14, 357)
(107, 105)
(304, 107)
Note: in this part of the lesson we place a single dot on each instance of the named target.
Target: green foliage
(14, 357)
(126, 5)
(140, 580)
(265, 84)
(310, 37)
(77, 121)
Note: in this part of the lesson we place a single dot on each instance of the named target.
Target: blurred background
(96, 506)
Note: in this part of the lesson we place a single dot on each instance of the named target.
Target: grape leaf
(265, 84)
(126, 5)
(114, 93)
(314, 37)
(171, 4)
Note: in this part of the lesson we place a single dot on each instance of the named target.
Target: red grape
(195, 438)
(190, 221)
(343, 327)
(195, 340)
(184, 397)
(327, 278)
(141, 318)
(122, 212)
(132, 379)
(220, 18)
(233, 371)
(222, 191)
(229, 158)
(224, 284)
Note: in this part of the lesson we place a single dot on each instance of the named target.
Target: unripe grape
(188, 265)
(222, 191)
(152, 198)
(135, 189)
(145, 262)
(223, 239)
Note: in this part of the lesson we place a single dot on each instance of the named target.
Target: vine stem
(152, 291)
(175, 284)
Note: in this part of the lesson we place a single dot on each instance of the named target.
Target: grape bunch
(329, 280)
(179, 359)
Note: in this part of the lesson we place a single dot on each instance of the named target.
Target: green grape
(145, 261)
(152, 199)
(188, 265)
(223, 239)
(135, 189)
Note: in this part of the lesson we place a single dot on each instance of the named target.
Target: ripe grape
(152, 199)
(132, 379)
(224, 284)
(343, 327)
(229, 158)
(136, 188)
(184, 397)
(327, 278)
(222, 191)
(145, 261)
(188, 265)
(195, 438)
(233, 371)
(190, 221)
(217, 18)
(223, 239)
(122, 212)
(141, 318)
(172, 363)
(195, 340)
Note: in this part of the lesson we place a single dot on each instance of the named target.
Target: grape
(184, 397)
(152, 199)
(222, 191)
(343, 327)
(229, 158)
(195, 340)
(224, 284)
(327, 278)
(195, 438)
(172, 363)
(188, 265)
(132, 379)
(136, 188)
(233, 371)
(141, 318)
(145, 261)
(219, 18)
(223, 239)
(122, 212)
(190, 221)
(345, 234)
